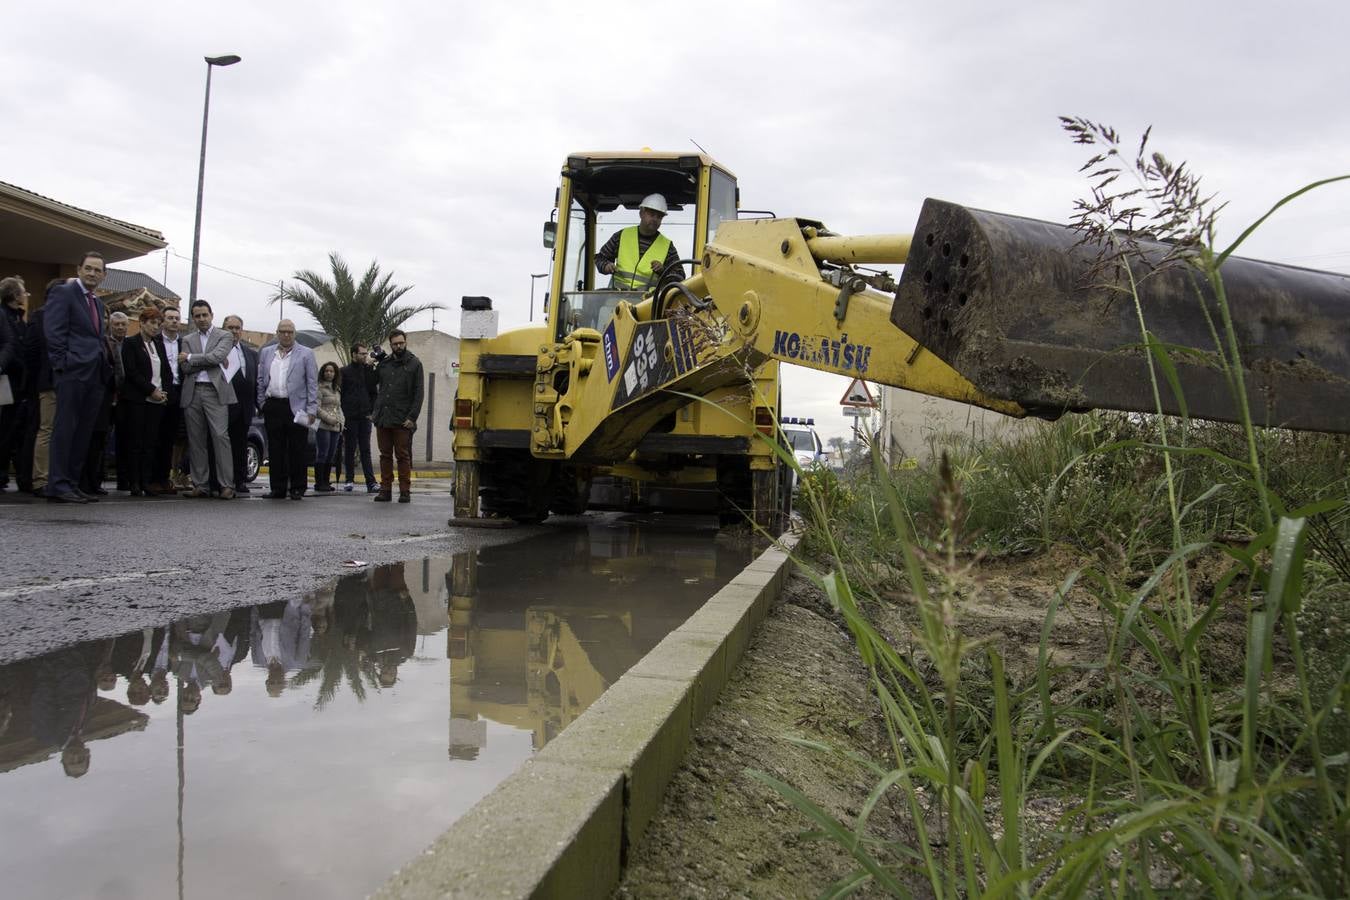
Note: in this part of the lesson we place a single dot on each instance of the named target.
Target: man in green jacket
(398, 403)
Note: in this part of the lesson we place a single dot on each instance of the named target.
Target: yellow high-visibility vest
(632, 273)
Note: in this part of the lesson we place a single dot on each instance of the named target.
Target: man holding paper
(288, 393)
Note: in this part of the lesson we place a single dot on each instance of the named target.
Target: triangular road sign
(858, 394)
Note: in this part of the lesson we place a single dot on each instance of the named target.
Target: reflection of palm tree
(331, 661)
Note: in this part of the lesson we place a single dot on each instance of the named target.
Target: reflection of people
(392, 637)
(63, 692)
(280, 638)
(635, 257)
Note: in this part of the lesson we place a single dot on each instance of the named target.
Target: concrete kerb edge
(604, 777)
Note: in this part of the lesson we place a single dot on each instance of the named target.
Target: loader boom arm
(991, 310)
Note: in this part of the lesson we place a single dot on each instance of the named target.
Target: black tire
(515, 485)
(735, 491)
(571, 494)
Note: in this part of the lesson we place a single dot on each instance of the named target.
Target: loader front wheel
(515, 485)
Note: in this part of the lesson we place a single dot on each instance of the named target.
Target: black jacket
(400, 395)
(137, 387)
(359, 384)
(12, 332)
(37, 366)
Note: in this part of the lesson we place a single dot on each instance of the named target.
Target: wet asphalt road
(71, 573)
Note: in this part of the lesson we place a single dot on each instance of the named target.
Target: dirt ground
(722, 834)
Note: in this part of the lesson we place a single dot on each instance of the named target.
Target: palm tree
(348, 311)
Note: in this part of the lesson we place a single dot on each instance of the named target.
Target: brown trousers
(395, 443)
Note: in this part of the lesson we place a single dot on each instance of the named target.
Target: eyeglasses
(398, 343)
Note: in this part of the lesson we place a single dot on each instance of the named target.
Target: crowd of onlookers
(176, 399)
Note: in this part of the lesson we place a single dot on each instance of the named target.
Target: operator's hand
(607, 268)
(656, 265)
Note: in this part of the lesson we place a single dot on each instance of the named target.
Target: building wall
(914, 423)
(439, 354)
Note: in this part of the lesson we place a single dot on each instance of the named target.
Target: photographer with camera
(397, 406)
(359, 386)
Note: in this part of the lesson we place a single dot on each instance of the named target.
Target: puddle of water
(311, 746)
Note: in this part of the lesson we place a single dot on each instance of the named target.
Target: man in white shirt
(241, 371)
(169, 447)
(206, 397)
(288, 392)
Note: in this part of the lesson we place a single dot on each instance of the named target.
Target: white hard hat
(654, 202)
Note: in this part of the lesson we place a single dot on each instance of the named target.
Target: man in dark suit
(243, 377)
(73, 326)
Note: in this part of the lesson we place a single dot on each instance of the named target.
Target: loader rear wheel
(515, 485)
(735, 491)
(571, 493)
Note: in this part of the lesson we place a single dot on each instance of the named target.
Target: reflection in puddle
(223, 736)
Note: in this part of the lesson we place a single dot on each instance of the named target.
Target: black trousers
(138, 427)
(169, 425)
(78, 404)
(241, 414)
(287, 445)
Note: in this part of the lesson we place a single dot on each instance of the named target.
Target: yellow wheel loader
(1007, 313)
(699, 456)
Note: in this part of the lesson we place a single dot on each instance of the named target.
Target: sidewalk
(434, 469)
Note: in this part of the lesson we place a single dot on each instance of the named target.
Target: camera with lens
(378, 353)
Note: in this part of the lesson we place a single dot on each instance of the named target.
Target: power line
(226, 271)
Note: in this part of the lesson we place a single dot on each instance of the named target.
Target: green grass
(1165, 771)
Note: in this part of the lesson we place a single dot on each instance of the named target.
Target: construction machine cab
(600, 194)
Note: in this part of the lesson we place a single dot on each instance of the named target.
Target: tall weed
(1148, 768)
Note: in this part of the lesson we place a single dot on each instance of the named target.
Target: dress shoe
(88, 498)
(297, 495)
(404, 498)
(135, 492)
(166, 488)
(227, 493)
(196, 493)
(68, 497)
(96, 492)
(382, 497)
(242, 489)
(372, 489)
(324, 489)
(276, 495)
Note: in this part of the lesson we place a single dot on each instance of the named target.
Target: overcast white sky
(429, 135)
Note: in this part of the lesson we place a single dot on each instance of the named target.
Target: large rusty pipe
(1022, 309)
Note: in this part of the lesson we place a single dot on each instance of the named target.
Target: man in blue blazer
(288, 393)
(73, 326)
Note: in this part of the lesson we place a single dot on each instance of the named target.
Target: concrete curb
(561, 825)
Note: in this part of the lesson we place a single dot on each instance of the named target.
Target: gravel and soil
(721, 833)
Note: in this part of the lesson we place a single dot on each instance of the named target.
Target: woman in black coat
(147, 373)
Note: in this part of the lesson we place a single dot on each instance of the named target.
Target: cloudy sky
(429, 135)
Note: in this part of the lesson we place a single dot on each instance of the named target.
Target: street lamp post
(533, 279)
(227, 60)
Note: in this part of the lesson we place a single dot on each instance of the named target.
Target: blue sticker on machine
(611, 352)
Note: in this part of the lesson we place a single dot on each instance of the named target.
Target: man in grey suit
(288, 392)
(206, 397)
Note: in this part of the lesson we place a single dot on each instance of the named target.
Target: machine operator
(635, 257)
